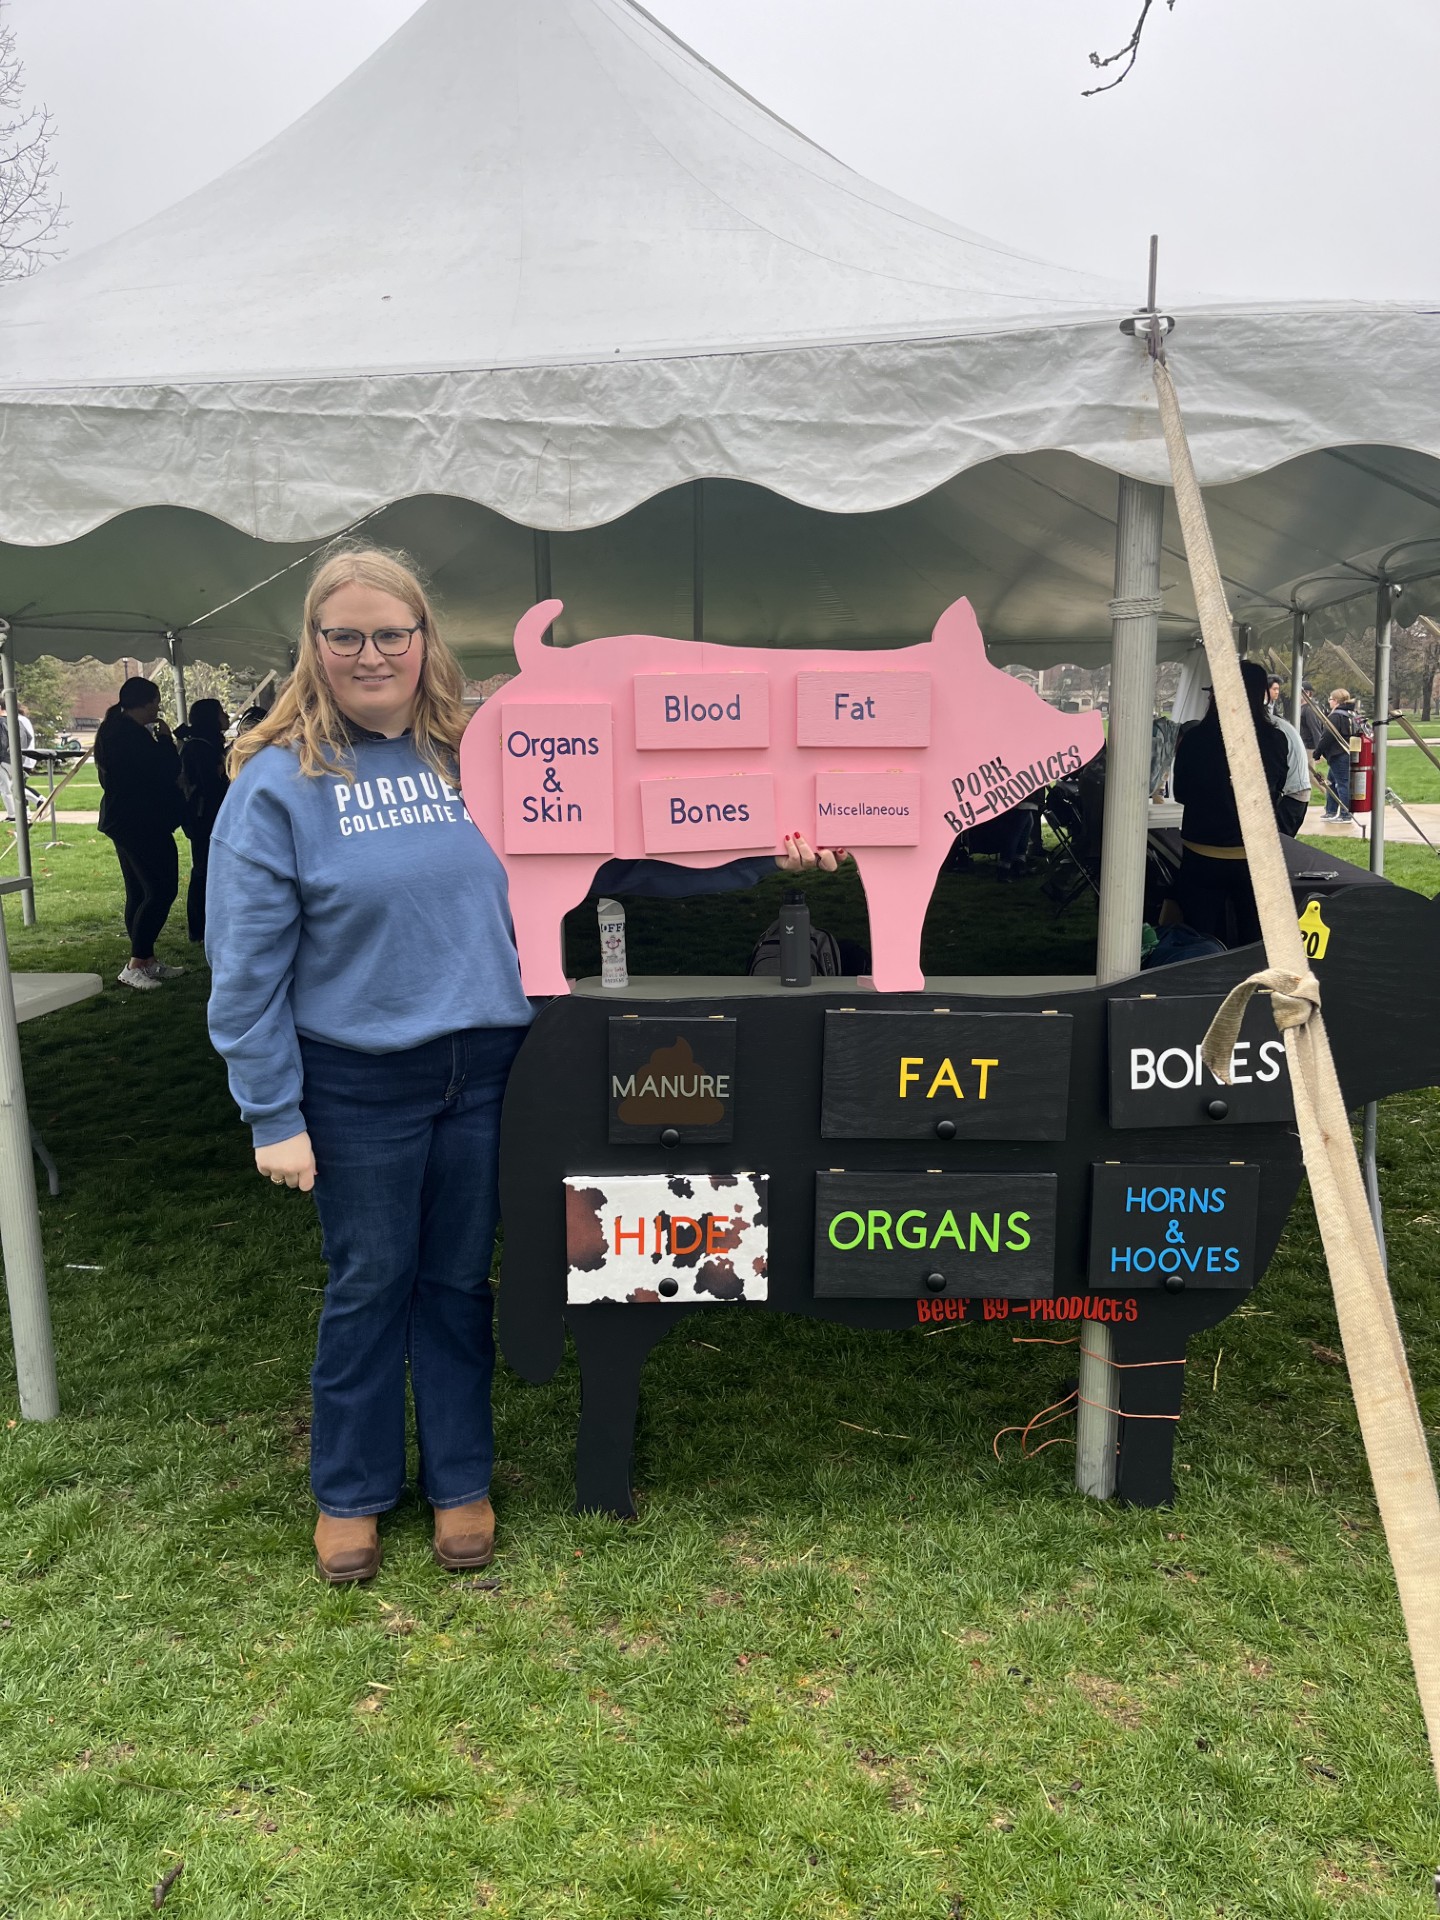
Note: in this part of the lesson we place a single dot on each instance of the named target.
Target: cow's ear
(958, 631)
(531, 629)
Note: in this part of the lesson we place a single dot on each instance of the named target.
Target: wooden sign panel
(867, 809)
(862, 709)
(701, 710)
(1174, 1227)
(644, 1239)
(557, 778)
(708, 813)
(945, 1076)
(1157, 1078)
(933, 1234)
(671, 1075)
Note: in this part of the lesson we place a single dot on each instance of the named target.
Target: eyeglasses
(349, 642)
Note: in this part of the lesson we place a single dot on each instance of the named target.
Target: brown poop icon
(671, 1088)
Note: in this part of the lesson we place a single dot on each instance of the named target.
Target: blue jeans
(1337, 787)
(407, 1188)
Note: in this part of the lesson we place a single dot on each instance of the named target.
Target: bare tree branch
(32, 209)
(1129, 52)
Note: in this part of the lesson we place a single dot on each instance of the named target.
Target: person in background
(27, 762)
(1273, 693)
(367, 1001)
(1294, 802)
(1312, 727)
(1334, 751)
(140, 808)
(204, 784)
(1214, 879)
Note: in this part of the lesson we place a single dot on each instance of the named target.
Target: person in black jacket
(140, 808)
(1214, 885)
(204, 784)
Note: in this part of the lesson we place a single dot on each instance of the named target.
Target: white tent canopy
(541, 267)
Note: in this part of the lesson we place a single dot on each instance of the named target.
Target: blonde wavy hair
(305, 715)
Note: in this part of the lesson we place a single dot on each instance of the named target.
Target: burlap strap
(1390, 1425)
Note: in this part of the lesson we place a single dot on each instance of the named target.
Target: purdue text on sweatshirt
(368, 912)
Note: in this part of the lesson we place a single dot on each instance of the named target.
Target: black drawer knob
(669, 1288)
(670, 1137)
(1218, 1109)
(935, 1282)
(944, 1129)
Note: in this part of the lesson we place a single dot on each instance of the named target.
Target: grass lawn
(846, 1665)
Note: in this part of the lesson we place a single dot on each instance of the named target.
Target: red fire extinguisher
(1360, 775)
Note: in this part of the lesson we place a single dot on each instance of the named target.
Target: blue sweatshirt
(369, 914)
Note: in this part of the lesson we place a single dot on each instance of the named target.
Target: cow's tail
(531, 630)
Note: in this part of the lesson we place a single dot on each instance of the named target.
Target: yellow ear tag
(1314, 931)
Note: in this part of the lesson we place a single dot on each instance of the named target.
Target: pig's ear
(531, 630)
(958, 631)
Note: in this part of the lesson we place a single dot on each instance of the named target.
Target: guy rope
(1390, 1424)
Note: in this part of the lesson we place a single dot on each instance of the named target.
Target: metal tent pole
(1297, 664)
(1385, 600)
(20, 1212)
(697, 560)
(1134, 612)
(17, 772)
(177, 670)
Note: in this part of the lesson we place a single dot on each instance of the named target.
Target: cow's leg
(898, 883)
(614, 1344)
(1149, 1379)
(543, 889)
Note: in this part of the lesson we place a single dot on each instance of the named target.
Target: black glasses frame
(353, 653)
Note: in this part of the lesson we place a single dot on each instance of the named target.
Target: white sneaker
(129, 976)
(165, 972)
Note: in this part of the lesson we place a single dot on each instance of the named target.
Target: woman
(367, 1000)
(204, 783)
(1214, 879)
(140, 809)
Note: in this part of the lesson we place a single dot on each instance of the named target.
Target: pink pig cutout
(976, 740)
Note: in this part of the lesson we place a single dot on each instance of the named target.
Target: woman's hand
(289, 1163)
(800, 857)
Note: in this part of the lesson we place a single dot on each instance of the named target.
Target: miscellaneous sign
(708, 813)
(1174, 1227)
(867, 809)
(649, 1239)
(557, 778)
(671, 1081)
(945, 1076)
(858, 709)
(701, 710)
(1158, 1079)
(886, 1234)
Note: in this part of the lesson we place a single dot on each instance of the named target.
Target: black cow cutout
(1380, 982)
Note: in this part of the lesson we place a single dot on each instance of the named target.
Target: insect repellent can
(613, 971)
(795, 961)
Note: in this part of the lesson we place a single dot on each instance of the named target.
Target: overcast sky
(1280, 147)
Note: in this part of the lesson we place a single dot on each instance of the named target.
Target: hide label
(709, 813)
(907, 1234)
(938, 1076)
(867, 809)
(651, 1238)
(1157, 1078)
(557, 778)
(1174, 1227)
(702, 710)
(671, 1074)
(862, 709)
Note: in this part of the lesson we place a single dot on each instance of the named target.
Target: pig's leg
(543, 888)
(898, 885)
(613, 1343)
(1149, 1378)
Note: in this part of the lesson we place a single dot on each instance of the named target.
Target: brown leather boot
(465, 1536)
(347, 1549)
